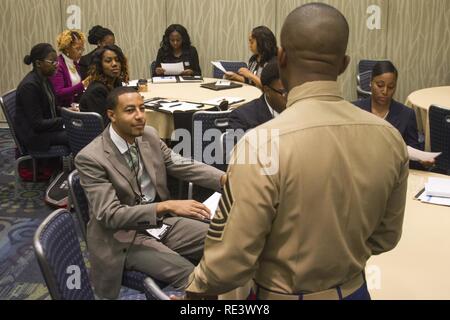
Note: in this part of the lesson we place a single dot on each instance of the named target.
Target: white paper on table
(418, 155)
(131, 83)
(172, 69)
(438, 187)
(179, 106)
(224, 83)
(219, 66)
(212, 203)
(434, 200)
(171, 79)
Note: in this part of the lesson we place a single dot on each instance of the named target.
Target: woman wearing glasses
(67, 81)
(37, 116)
(109, 68)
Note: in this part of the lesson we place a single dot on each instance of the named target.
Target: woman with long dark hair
(109, 68)
(176, 47)
(263, 45)
(37, 115)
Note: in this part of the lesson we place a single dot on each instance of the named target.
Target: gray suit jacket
(111, 189)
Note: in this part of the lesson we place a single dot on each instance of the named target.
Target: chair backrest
(152, 68)
(228, 140)
(363, 84)
(60, 259)
(367, 64)
(208, 126)
(81, 128)
(233, 66)
(79, 200)
(8, 103)
(439, 118)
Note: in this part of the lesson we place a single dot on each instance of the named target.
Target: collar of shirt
(69, 62)
(327, 90)
(118, 140)
(271, 110)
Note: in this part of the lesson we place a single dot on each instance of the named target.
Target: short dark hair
(384, 67)
(266, 43)
(270, 73)
(112, 100)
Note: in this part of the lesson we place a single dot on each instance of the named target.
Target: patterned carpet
(20, 276)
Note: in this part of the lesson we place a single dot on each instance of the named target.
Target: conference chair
(364, 76)
(208, 127)
(227, 141)
(152, 68)
(81, 128)
(439, 119)
(8, 103)
(232, 66)
(61, 261)
(131, 279)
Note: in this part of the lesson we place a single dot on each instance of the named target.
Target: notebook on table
(217, 86)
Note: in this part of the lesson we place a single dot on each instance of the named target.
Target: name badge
(187, 64)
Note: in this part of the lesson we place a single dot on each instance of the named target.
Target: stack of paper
(436, 191)
(438, 187)
(172, 79)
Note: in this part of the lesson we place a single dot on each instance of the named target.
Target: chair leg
(34, 170)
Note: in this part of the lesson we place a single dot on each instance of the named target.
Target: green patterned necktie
(132, 159)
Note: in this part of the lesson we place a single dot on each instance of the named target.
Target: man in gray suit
(123, 173)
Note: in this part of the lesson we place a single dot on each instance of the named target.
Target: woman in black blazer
(382, 104)
(37, 119)
(100, 37)
(108, 70)
(176, 47)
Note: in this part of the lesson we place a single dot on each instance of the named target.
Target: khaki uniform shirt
(307, 216)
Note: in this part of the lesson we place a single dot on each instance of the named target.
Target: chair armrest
(153, 290)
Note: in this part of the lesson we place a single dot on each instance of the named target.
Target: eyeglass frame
(53, 63)
(282, 93)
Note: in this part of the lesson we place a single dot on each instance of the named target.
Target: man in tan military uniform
(303, 220)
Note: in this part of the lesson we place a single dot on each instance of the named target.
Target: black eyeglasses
(282, 92)
(54, 63)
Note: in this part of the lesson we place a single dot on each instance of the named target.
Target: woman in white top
(67, 81)
(263, 45)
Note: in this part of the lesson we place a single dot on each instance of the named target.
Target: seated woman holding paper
(176, 48)
(263, 45)
(109, 68)
(381, 104)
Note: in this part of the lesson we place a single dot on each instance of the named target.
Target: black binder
(213, 86)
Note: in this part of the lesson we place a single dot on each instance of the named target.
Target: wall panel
(363, 43)
(219, 28)
(419, 43)
(136, 24)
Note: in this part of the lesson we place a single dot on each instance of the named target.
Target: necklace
(73, 69)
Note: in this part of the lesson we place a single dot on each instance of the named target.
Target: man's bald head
(314, 40)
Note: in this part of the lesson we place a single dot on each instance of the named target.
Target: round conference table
(418, 267)
(421, 100)
(190, 92)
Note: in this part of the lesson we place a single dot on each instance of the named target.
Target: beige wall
(414, 34)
